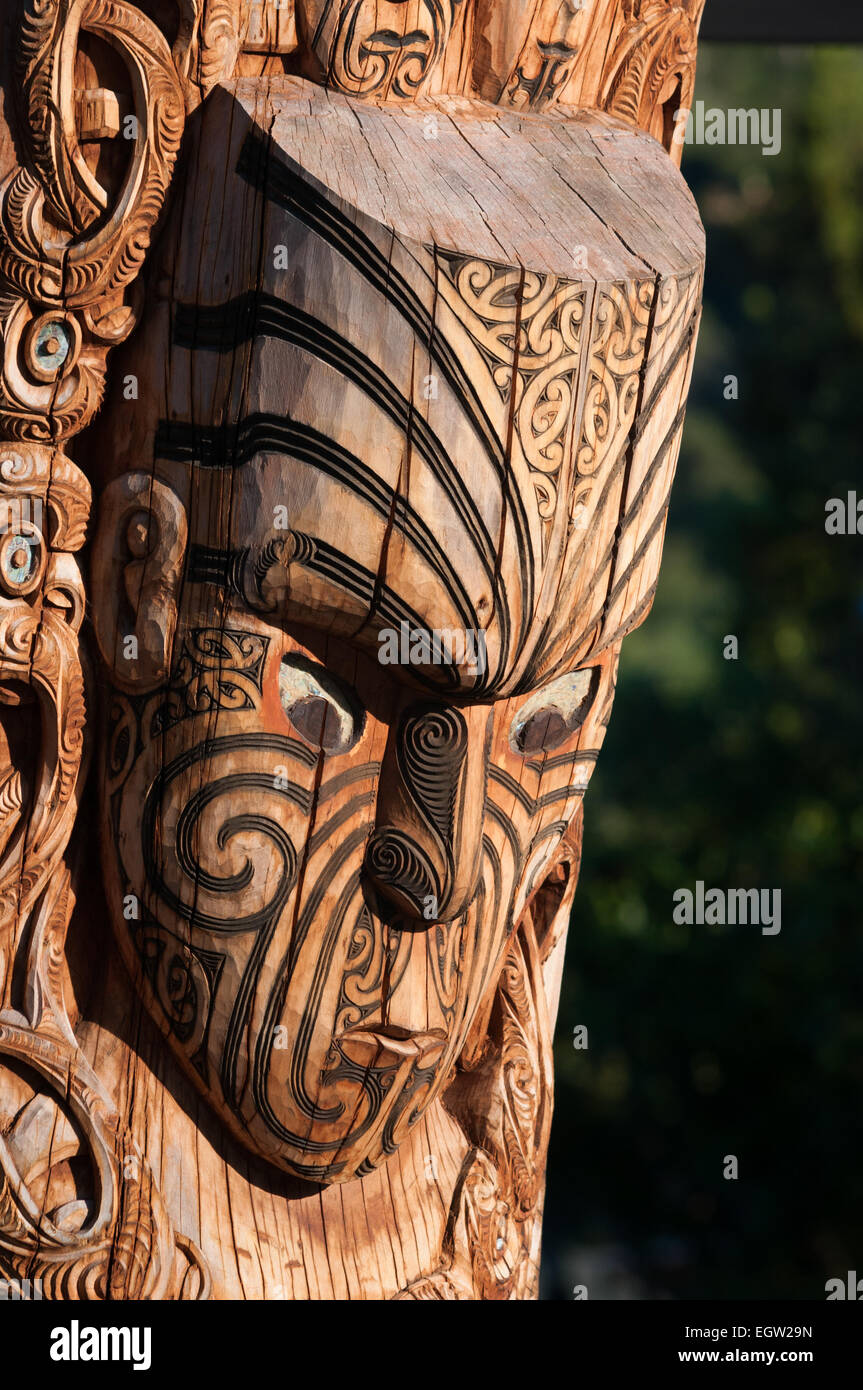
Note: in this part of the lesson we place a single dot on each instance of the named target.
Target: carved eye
(52, 346)
(22, 560)
(321, 708)
(552, 715)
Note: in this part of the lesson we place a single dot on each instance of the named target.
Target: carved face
(43, 512)
(362, 571)
(329, 865)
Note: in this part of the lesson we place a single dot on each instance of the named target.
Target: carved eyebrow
(209, 565)
(261, 166)
(232, 446)
(220, 327)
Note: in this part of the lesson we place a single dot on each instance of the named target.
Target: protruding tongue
(384, 1045)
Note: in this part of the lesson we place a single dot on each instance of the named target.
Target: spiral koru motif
(228, 889)
(399, 866)
(431, 751)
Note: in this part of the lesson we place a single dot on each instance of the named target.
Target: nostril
(400, 871)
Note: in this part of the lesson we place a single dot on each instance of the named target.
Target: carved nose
(424, 855)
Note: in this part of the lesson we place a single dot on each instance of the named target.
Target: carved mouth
(385, 1045)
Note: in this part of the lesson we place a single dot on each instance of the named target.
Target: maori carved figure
(79, 1210)
(381, 482)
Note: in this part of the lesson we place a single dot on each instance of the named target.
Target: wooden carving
(381, 482)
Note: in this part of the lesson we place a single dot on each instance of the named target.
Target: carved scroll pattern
(218, 669)
(65, 258)
(652, 65)
(68, 250)
(617, 353)
(528, 328)
(555, 64)
(501, 1194)
(632, 58)
(550, 54)
(371, 56)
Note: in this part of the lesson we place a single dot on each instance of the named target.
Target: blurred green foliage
(708, 1041)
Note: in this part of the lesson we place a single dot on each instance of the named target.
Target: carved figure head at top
(634, 58)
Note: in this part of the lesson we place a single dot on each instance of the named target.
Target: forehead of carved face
(368, 544)
(366, 427)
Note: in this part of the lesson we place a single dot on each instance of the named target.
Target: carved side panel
(78, 1207)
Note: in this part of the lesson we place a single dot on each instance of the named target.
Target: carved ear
(137, 562)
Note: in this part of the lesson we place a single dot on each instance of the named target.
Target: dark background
(707, 1041)
(788, 21)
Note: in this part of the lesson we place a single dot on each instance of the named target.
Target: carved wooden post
(381, 482)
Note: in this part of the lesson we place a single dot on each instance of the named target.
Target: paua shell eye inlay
(552, 715)
(319, 706)
(21, 561)
(51, 345)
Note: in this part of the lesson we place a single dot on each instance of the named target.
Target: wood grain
(381, 484)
